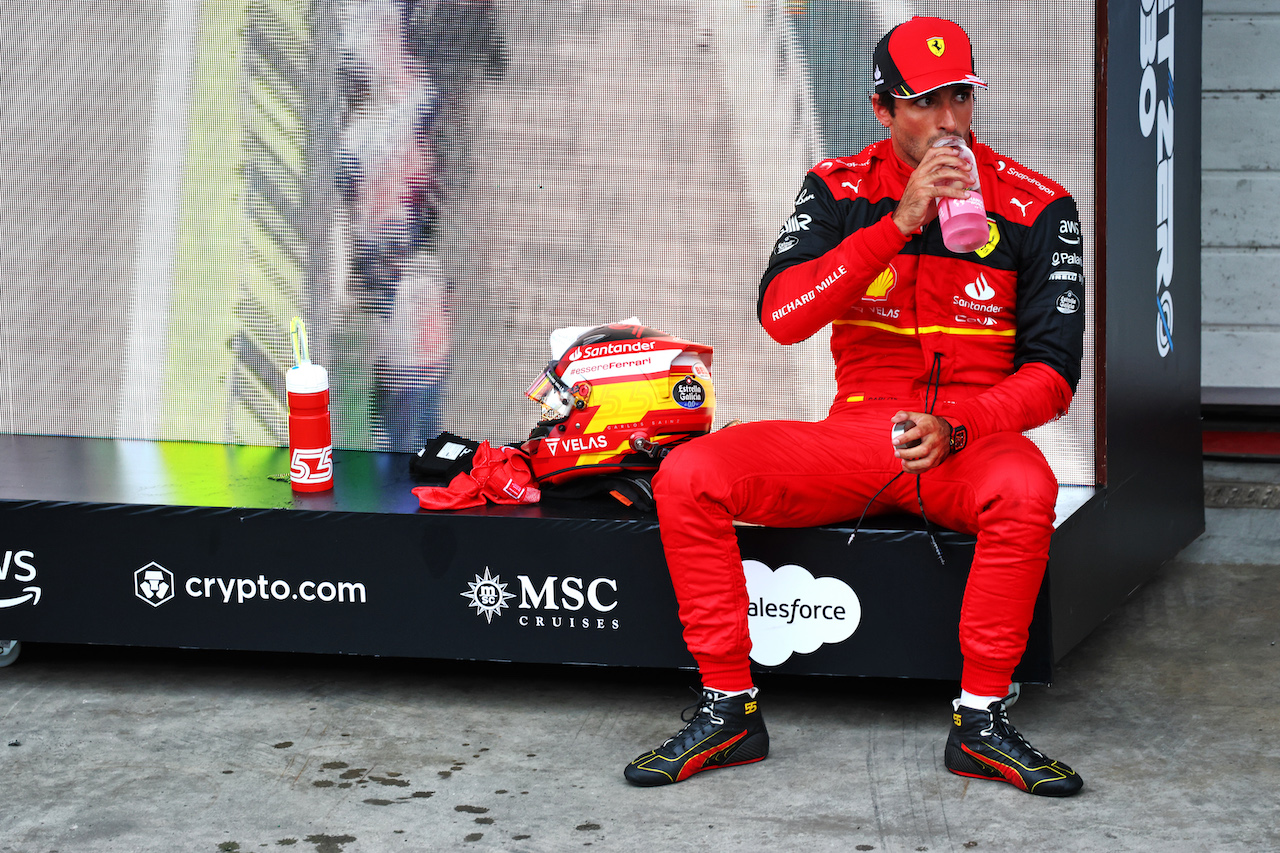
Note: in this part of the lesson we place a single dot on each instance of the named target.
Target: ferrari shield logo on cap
(937, 46)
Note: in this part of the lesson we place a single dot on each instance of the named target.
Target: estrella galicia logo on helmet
(153, 583)
(689, 393)
(488, 595)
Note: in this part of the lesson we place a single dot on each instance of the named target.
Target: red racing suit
(991, 340)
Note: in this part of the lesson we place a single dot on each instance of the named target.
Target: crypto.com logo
(153, 583)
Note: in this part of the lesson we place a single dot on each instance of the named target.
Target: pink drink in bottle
(963, 220)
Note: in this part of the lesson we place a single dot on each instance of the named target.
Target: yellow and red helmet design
(618, 399)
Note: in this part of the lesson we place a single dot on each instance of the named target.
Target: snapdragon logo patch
(792, 611)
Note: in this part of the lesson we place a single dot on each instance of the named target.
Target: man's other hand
(934, 437)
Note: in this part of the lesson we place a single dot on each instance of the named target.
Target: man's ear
(882, 114)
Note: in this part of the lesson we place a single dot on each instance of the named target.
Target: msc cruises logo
(488, 595)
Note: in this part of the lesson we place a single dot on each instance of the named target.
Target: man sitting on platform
(970, 349)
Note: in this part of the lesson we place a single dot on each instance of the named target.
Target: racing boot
(725, 730)
(983, 744)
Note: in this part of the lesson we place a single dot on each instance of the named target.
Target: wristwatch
(959, 437)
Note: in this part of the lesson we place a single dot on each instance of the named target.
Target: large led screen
(436, 185)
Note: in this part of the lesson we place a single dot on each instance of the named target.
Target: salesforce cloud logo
(792, 611)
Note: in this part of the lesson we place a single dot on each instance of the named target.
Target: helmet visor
(549, 390)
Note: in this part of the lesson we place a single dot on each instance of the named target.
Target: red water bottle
(310, 435)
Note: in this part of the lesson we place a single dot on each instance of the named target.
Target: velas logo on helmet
(924, 54)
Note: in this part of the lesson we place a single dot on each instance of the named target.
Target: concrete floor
(1170, 711)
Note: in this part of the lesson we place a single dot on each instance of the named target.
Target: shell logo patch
(983, 251)
(879, 289)
(937, 46)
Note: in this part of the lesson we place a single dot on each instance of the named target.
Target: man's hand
(934, 435)
(941, 174)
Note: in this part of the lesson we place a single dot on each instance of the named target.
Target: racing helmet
(617, 400)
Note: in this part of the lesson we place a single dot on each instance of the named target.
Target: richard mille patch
(689, 393)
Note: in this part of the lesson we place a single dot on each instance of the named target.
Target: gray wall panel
(78, 83)
(1241, 110)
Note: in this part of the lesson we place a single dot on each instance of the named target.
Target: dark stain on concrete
(373, 801)
(335, 765)
(473, 836)
(587, 827)
(470, 809)
(387, 780)
(284, 744)
(330, 843)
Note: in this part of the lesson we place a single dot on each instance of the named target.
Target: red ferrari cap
(921, 55)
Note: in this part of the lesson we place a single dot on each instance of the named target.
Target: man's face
(918, 123)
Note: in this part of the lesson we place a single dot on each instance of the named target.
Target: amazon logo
(19, 565)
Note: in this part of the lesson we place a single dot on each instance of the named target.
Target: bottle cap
(306, 379)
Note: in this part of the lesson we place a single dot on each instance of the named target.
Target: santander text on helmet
(611, 348)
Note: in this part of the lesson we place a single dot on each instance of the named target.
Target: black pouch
(443, 458)
(633, 490)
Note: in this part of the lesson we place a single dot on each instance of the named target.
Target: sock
(725, 694)
(981, 703)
